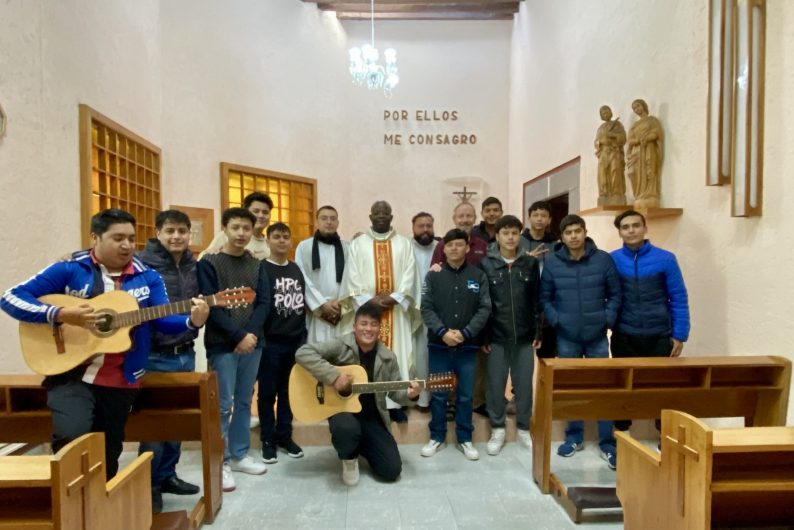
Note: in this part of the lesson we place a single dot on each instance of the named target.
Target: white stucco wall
(53, 56)
(263, 84)
(571, 57)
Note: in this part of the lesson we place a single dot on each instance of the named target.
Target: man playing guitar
(97, 396)
(365, 433)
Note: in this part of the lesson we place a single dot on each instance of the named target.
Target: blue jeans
(278, 358)
(595, 349)
(236, 377)
(166, 454)
(461, 362)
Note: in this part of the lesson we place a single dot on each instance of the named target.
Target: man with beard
(381, 268)
(321, 259)
(423, 243)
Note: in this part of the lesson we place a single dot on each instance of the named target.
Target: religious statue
(644, 157)
(609, 142)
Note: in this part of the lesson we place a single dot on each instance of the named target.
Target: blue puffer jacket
(581, 298)
(655, 301)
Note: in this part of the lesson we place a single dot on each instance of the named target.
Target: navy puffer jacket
(581, 298)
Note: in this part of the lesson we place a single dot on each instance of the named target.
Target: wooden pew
(755, 388)
(707, 478)
(171, 406)
(68, 491)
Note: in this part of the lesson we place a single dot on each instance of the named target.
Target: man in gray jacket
(364, 433)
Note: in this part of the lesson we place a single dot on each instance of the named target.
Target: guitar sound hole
(105, 323)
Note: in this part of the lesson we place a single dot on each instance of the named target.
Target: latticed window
(294, 198)
(119, 169)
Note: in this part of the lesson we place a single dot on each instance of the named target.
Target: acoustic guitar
(312, 401)
(51, 350)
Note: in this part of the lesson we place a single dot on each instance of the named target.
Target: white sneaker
(497, 441)
(253, 422)
(469, 451)
(248, 465)
(524, 438)
(432, 447)
(228, 479)
(350, 472)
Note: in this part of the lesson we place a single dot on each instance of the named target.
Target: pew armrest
(628, 444)
(140, 470)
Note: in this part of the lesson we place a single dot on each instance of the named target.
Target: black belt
(176, 350)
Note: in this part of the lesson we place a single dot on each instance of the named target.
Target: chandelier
(365, 67)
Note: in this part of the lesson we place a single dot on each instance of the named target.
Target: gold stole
(384, 286)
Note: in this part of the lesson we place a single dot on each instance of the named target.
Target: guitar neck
(387, 386)
(133, 318)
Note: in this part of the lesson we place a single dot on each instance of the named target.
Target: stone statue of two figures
(642, 161)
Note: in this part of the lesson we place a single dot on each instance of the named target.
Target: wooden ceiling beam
(379, 3)
(419, 15)
(414, 7)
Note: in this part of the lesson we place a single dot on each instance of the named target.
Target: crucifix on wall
(464, 195)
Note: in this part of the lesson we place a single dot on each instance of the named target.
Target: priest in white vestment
(381, 269)
(423, 244)
(322, 260)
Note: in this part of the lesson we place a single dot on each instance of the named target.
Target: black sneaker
(177, 486)
(157, 500)
(293, 450)
(269, 455)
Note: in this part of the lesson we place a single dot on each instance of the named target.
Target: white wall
(259, 83)
(569, 57)
(53, 56)
(266, 84)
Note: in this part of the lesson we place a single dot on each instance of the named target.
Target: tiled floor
(442, 492)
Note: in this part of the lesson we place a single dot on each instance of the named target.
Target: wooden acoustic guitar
(312, 401)
(51, 350)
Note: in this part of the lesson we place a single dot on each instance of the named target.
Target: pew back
(707, 478)
(68, 490)
(170, 406)
(755, 388)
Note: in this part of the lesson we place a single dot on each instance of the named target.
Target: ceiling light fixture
(365, 67)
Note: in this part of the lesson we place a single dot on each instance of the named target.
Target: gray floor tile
(444, 492)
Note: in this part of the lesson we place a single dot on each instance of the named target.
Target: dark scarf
(340, 254)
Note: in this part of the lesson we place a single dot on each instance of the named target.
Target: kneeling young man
(364, 433)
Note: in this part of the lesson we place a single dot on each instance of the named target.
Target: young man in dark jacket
(654, 317)
(285, 332)
(455, 309)
(168, 254)
(514, 329)
(541, 243)
(580, 294)
(234, 338)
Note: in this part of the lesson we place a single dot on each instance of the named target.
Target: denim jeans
(278, 358)
(595, 349)
(166, 454)
(461, 362)
(236, 377)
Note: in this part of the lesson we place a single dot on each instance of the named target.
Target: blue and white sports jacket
(82, 278)
(655, 301)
